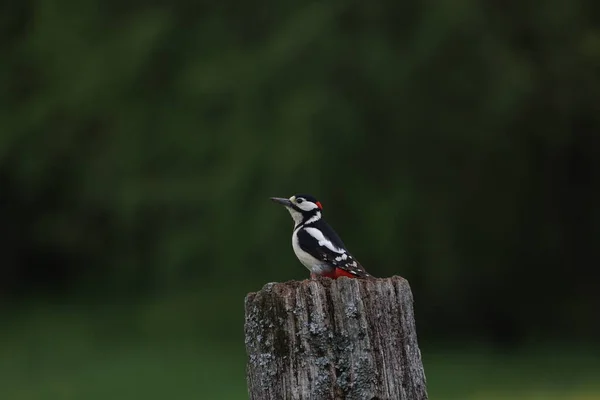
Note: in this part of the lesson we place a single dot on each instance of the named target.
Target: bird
(317, 246)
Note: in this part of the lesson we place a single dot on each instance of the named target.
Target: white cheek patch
(314, 232)
(307, 205)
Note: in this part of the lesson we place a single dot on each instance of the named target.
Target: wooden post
(333, 339)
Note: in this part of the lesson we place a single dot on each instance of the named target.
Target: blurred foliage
(454, 143)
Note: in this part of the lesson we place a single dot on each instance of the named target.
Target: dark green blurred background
(455, 143)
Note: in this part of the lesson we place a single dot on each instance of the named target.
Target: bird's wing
(314, 242)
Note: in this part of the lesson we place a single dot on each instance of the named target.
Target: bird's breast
(314, 265)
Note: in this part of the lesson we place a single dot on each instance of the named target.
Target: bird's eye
(299, 200)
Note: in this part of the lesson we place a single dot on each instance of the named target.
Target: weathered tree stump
(333, 339)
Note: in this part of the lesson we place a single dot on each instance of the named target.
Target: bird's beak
(283, 202)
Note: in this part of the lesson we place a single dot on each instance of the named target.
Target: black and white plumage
(315, 243)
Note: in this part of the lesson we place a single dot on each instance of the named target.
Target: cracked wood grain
(333, 339)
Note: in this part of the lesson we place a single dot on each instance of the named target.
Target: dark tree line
(453, 143)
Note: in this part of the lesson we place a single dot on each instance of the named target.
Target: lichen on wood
(333, 339)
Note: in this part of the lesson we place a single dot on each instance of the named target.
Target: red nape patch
(319, 205)
(340, 272)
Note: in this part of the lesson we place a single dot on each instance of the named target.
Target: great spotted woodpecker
(315, 243)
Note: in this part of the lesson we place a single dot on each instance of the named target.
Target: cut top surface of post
(333, 339)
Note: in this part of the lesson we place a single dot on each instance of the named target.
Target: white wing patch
(342, 257)
(323, 241)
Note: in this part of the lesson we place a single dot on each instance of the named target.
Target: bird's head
(302, 207)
